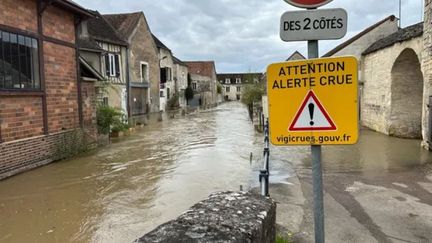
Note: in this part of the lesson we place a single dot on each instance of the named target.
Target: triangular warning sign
(312, 116)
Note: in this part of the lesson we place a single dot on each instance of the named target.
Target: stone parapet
(222, 217)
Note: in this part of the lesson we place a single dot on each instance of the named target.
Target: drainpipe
(78, 69)
(128, 82)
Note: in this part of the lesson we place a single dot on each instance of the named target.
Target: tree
(252, 93)
(189, 94)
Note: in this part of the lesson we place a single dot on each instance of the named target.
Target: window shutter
(117, 65)
(163, 74)
(107, 64)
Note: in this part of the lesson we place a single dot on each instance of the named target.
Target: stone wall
(222, 217)
(427, 69)
(143, 49)
(376, 93)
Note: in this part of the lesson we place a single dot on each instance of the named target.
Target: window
(238, 80)
(238, 89)
(19, 62)
(166, 74)
(227, 89)
(105, 101)
(227, 80)
(112, 62)
(161, 93)
(144, 73)
(194, 86)
(168, 93)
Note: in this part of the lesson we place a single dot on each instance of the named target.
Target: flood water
(120, 192)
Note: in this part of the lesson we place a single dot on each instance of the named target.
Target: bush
(173, 102)
(252, 93)
(110, 119)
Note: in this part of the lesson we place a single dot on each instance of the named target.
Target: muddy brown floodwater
(119, 192)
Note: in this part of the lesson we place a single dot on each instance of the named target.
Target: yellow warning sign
(313, 102)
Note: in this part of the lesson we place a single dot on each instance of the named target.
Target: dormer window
(227, 80)
(238, 80)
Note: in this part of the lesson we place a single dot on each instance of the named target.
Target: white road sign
(323, 24)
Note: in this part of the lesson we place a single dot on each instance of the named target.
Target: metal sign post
(317, 170)
(323, 102)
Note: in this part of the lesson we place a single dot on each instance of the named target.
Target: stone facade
(167, 89)
(180, 75)
(222, 217)
(41, 125)
(427, 71)
(144, 51)
(390, 92)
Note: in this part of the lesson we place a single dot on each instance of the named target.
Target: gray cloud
(243, 35)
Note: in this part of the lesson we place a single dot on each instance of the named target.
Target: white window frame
(145, 76)
(194, 86)
(238, 80)
(238, 89)
(227, 80)
(227, 89)
(112, 65)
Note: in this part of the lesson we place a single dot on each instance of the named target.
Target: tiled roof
(296, 56)
(73, 7)
(404, 34)
(203, 68)
(159, 43)
(124, 23)
(88, 44)
(358, 36)
(100, 29)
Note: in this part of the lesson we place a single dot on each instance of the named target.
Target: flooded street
(120, 192)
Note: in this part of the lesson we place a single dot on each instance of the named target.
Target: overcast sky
(243, 35)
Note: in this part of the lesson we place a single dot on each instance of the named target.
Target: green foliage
(173, 102)
(110, 119)
(189, 93)
(281, 239)
(252, 93)
(219, 88)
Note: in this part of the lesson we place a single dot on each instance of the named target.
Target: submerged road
(120, 192)
(376, 191)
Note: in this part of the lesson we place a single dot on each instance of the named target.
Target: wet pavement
(376, 191)
(379, 190)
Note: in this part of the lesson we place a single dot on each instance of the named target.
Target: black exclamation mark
(311, 113)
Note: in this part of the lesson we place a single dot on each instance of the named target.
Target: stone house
(112, 61)
(204, 83)
(166, 62)
(395, 72)
(143, 55)
(41, 109)
(296, 56)
(233, 83)
(180, 80)
(392, 91)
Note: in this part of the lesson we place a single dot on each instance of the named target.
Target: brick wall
(26, 154)
(24, 145)
(61, 87)
(21, 117)
(20, 14)
(59, 24)
(89, 100)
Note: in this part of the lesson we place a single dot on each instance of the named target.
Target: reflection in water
(120, 192)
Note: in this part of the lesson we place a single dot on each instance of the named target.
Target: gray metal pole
(317, 171)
